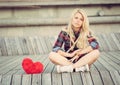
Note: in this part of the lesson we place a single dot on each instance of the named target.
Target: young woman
(80, 46)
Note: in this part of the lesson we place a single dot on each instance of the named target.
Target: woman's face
(77, 21)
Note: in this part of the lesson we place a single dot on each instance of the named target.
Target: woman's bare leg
(58, 59)
(89, 59)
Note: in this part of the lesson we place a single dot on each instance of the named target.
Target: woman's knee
(51, 55)
(96, 52)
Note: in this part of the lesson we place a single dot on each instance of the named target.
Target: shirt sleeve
(59, 42)
(93, 43)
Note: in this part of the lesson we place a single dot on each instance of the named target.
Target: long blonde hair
(82, 40)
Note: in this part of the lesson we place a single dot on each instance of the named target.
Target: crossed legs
(89, 59)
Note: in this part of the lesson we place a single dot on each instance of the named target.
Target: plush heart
(31, 67)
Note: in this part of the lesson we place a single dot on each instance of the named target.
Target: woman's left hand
(76, 52)
(75, 58)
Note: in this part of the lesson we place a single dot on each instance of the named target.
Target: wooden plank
(66, 79)
(113, 64)
(46, 79)
(115, 77)
(0, 52)
(35, 49)
(20, 72)
(54, 68)
(49, 67)
(6, 80)
(96, 77)
(76, 78)
(86, 78)
(38, 45)
(29, 45)
(45, 63)
(0, 79)
(35, 44)
(10, 72)
(18, 46)
(36, 79)
(3, 46)
(9, 51)
(115, 54)
(118, 36)
(111, 42)
(9, 66)
(13, 46)
(43, 44)
(105, 38)
(106, 78)
(16, 80)
(115, 60)
(56, 79)
(103, 43)
(52, 39)
(7, 61)
(47, 40)
(118, 54)
(99, 66)
(115, 40)
(106, 64)
(26, 80)
(23, 45)
(93, 67)
(4, 59)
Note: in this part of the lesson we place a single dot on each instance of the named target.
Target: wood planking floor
(12, 64)
(76, 78)
(37, 45)
(105, 71)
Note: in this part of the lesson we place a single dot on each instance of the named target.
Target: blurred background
(48, 17)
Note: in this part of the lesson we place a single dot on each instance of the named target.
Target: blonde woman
(80, 48)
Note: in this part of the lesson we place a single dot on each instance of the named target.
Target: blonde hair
(82, 40)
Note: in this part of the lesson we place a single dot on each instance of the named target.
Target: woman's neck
(76, 30)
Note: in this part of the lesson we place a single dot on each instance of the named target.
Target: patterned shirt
(64, 39)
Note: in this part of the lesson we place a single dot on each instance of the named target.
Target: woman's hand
(72, 54)
(75, 58)
(69, 55)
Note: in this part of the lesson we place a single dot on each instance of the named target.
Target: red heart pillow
(30, 67)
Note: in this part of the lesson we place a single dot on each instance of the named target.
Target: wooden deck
(10, 46)
(105, 71)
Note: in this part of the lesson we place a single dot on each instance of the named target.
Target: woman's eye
(76, 17)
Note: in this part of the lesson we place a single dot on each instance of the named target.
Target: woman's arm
(84, 51)
(67, 54)
(93, 44)
(81, 52)
(59, 42)
(58, 45)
